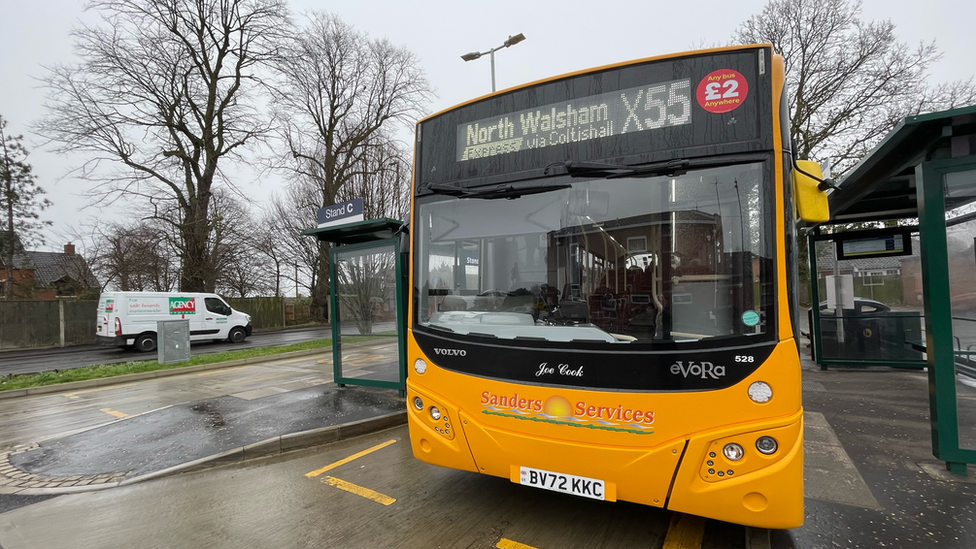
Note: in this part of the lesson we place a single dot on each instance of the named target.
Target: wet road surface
(382, 499)
(30, 361)
(370, 492)
(871, 481)
(185, 432)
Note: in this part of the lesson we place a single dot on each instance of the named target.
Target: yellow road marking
(115, 413)
(359, 490)
(75, 394)
(685, 532)
(331, 466)
(212, 372)
(509, 544)
(288, 360)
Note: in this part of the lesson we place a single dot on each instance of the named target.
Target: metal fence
(266, 312)
(27, 324)
(38, 324)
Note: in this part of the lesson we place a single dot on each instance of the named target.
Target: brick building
(50, 275)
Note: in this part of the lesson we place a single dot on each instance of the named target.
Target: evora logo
(704, 370)
(451, 352)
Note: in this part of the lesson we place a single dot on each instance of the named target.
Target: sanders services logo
(558, 410)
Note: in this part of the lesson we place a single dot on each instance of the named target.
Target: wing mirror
(810, 191)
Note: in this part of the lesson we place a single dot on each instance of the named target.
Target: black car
(862, 307)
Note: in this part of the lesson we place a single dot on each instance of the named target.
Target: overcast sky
(561, 37)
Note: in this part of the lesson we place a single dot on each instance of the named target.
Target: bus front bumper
(762, 491)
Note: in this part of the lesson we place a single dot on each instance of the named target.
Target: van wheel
(146, 343)
(237, 335)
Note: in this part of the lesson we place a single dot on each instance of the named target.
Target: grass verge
(13, 382)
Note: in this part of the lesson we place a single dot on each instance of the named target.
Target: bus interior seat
(454, 303)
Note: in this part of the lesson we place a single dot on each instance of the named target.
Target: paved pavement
(868, 458)
(80, 439)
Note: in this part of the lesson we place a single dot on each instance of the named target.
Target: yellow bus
(600, 287)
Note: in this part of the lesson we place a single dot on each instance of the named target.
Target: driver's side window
(217, 306)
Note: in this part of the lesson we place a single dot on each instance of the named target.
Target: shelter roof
(882, 185)
(361, 231)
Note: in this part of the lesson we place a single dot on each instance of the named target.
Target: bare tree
(162, 98)
(271, 250)
(20, 203)
(385, 188)
(849, 81)
(241, 270)
(132, 256)
(247, 275)
(339, 91)
(288, 216)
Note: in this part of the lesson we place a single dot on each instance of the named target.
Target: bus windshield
(627, 260)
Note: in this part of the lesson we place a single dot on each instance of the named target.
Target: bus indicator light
(418, 403)
(760, 392)
(733, 451)
(766, 445)
(420, 366)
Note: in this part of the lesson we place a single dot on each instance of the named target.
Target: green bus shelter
(921, 181)
(367, 285)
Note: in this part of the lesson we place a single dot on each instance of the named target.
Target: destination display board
(582, 119)
(884, 243)
(680, 107)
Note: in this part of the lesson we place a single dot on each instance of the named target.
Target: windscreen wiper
(612, 171)
(508, 190)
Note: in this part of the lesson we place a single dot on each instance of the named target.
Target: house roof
(51, 267)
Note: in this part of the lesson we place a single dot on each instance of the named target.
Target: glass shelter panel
(366, 296)
(871, 308)
(960, 196)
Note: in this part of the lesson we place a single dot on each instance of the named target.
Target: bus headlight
(766, 445)
(760, 392)
(418, 403)
(435, 413)
(733, 451)
(420, 366)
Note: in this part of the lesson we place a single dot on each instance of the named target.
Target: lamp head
(471, 56)
(512, 40)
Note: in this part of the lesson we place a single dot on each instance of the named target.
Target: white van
(129, 318)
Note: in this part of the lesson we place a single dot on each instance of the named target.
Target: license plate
(561, 482)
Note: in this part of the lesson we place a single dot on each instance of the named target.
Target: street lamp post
(512, 40)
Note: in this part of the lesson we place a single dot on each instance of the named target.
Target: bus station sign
(349, 211)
